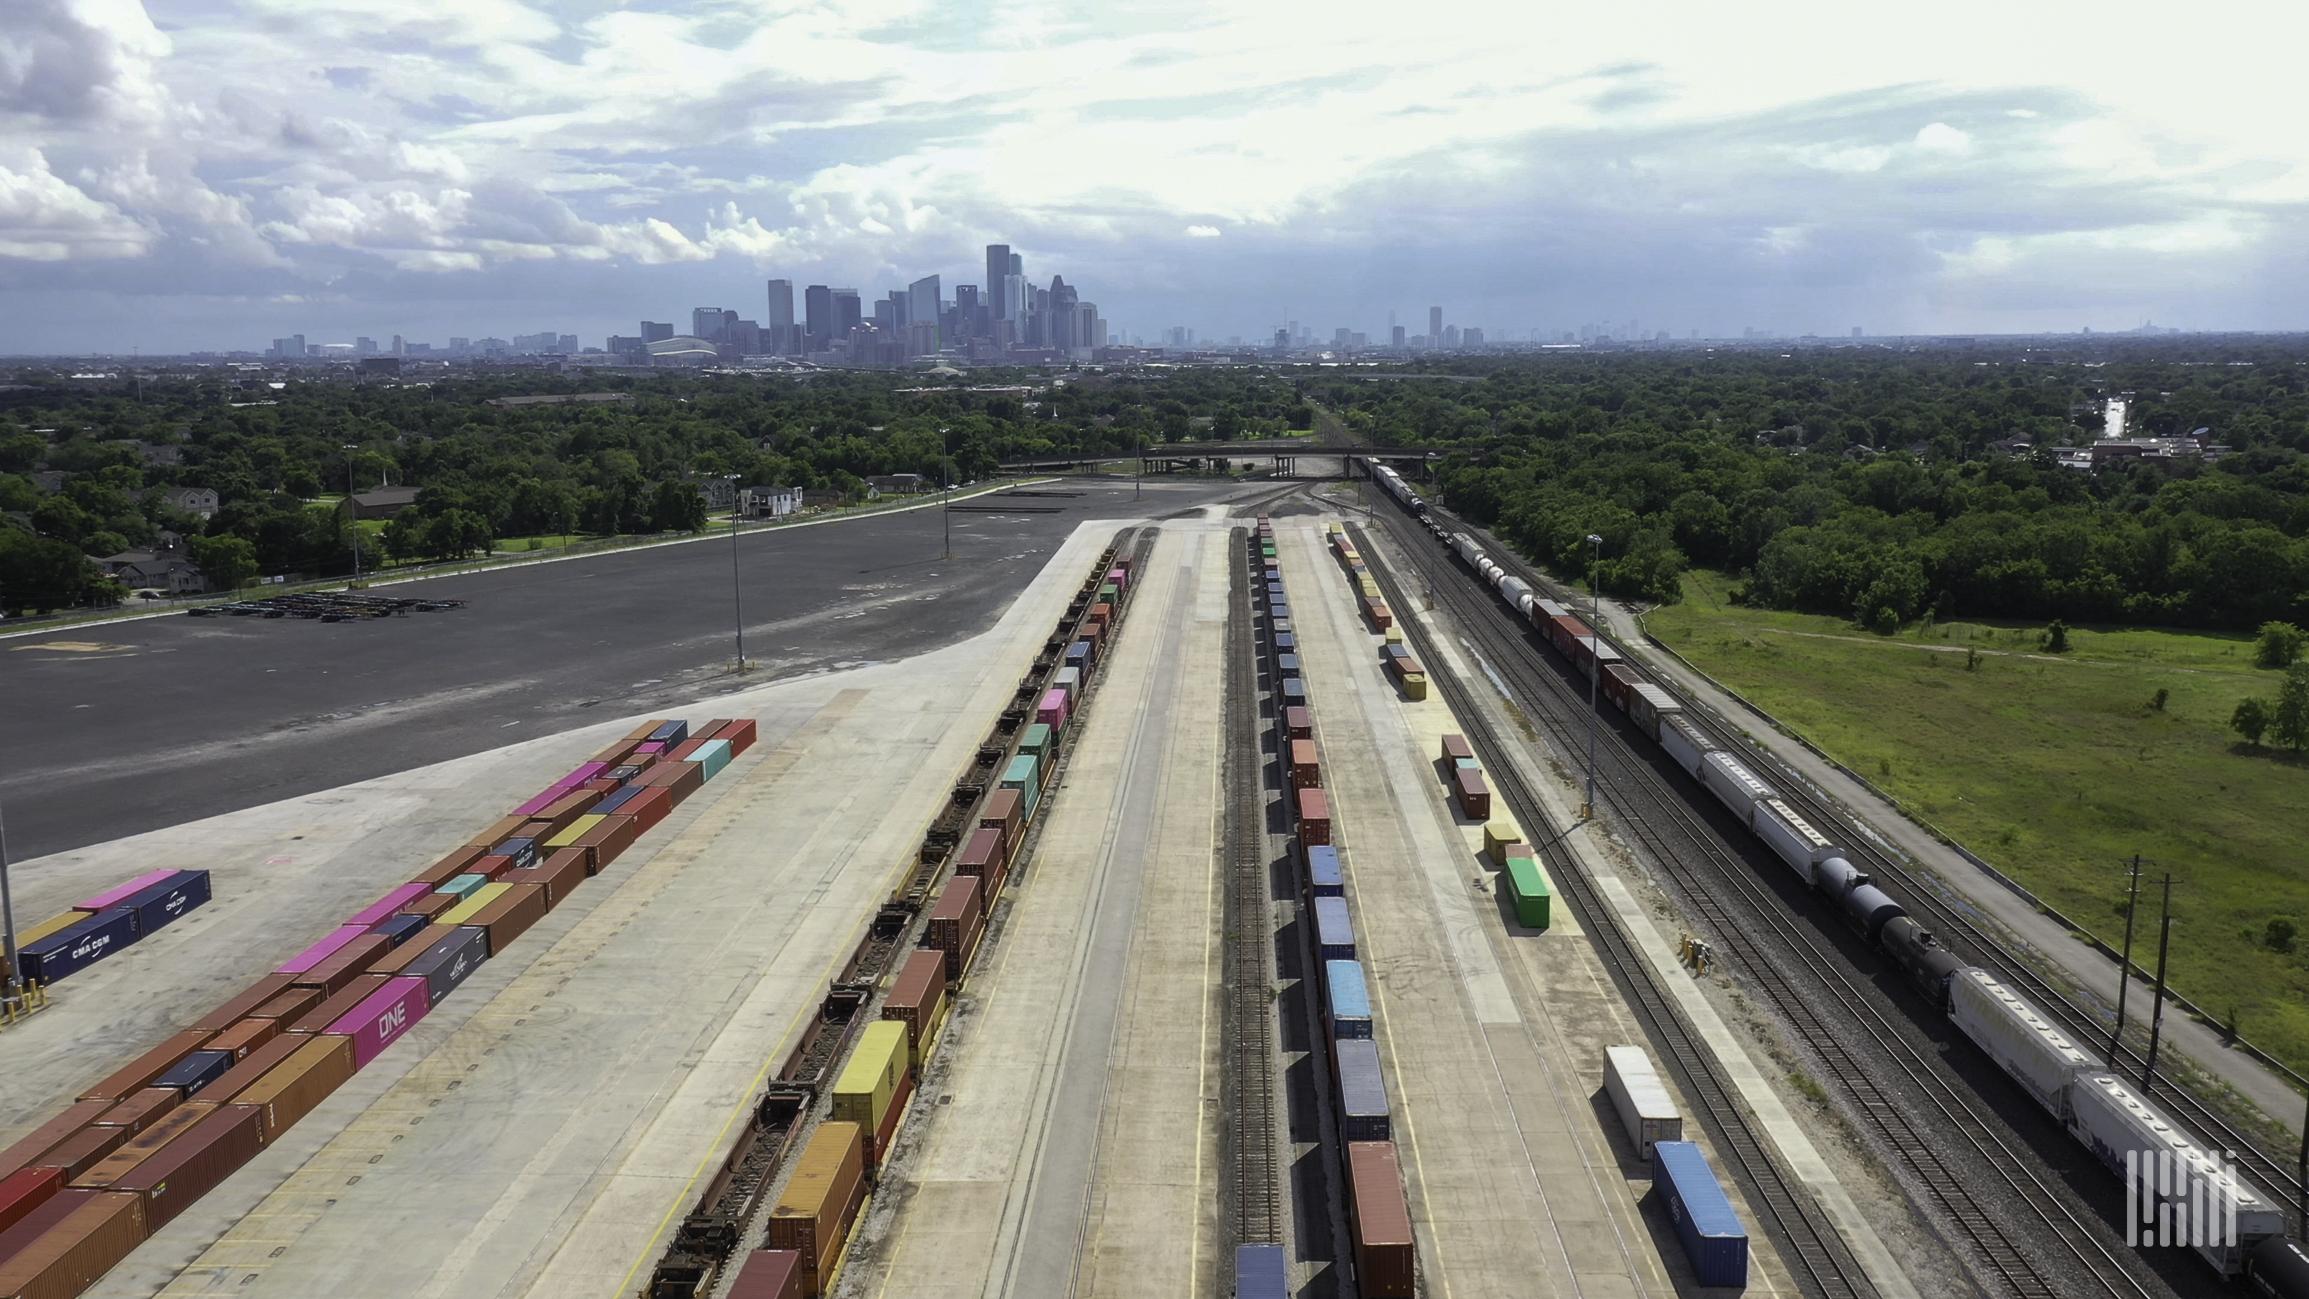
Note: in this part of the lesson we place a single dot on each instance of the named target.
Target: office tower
(818, 315)
(1396, 334)
(997, 269)
(886, 313)
(710, 323)
(848, 312)
(1014, 298)
(1470, 337)
(1340, 337)
(779, 327)
(969, 313)
(400, 346)
(653, 332)
(1450, 336)
(1435, 326)
(924, 303)
(1017, 264)
(922, 338)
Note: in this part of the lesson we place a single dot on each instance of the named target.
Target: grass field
(2057, 768)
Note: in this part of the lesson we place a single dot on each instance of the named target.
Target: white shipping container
(1648, 704)
(1685, 743)
(1466, 547)
(1733, 783)
(1643, 1102)
(2215, 1212)
(1791, 837)
(1546, 608)
(2037, 1055)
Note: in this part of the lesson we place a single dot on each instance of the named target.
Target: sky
(212, 174)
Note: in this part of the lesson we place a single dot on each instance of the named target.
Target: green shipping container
(1468, 763)
(1037, 741)
(713, 755)
(1528, 889)
(1020, 773)
(463, 885)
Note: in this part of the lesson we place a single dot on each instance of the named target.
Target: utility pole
(946, 486)
(8, 923)
(2301, 1176)
(2157, 1019)
(353, 511)
(1595, 670)
(737, 590)
(2125, 971)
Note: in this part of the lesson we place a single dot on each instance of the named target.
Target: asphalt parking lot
(155, 722)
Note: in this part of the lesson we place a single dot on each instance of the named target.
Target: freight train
(2230, 1224)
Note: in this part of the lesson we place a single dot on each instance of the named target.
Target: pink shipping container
(386, 907)
(1119, 577)
(543, 801)
(1052, 710)
(324, 949)
(652, 749)
(582, 774)
(381, 1019)
(112, 897)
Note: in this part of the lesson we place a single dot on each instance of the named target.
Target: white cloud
(1940, 137)
(1202, 232)
(43, 219)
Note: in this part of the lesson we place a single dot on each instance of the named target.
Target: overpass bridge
(1281, 454)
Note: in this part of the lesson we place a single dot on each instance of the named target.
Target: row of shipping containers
(812, 1220)
(1379, 1214)
(97, 927)
(143, 1144)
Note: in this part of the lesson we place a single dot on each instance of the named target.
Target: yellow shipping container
(1496, 836)
(471, 906)
(1415, 686)
(1368, 586)
(1394, 635)
(863, 1094)
(568, 838)
(1335, 528)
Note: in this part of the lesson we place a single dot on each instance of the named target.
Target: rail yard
(1224, 919)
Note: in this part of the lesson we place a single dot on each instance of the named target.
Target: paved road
(180, 718)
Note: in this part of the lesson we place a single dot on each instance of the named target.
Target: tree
(227, 560)
(2291, 722)
(38, 574)
(2281, 932)
(2056, 638)
(678, 507)
(2251, 720)
(2279, 644)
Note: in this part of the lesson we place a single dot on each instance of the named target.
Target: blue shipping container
(1078, 654)
(1261, 1272)
(79, 947)
(522, 851)
(616, 799)
(1285, 642)
(1287, 664)
(450, 962)
(621, 774)
(1713, 1238)
(1334, 934)
(196, 1071)
(1278, 610)
(1362, 1092)
(1294, 692)
(669, 735)
(163, 902)
(1324, 878)
(400, 929)
(1349, 1000)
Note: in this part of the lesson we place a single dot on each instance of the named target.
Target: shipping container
(142, 1110)
(138, 1074)
(519, 854)
(1036, 740)
(499, 832)
(336, 1007)
(130, 1151)
(78, 946)
(541, 800)
(614, 801)
(770, 1274)
(30, 1147)
(1346, 999)
(740, 734)
(510, 914)
(1314, 818)
(1362, 1090)
(448, 961)
(396, 930)
(1527, 891)
(1286, 643)
(257, 1064)
(648, 808)
(1685, 742)
(814, 1214)
(1713, 1237)
(397, 961)
(1299, 723)
(918, 1001)
(873, 1087)
(348, 963)
(1497, 835)
(462, 887)
(46, 928)
(1334, 931)
(713, 757)
(299, 1083)
(640, 734)
(381, 1020)
(101, 1229)
(1647, 704)
(241, 1006)
(120, 893)
(605, 842)
(955, 924)
(983, 855)
(569, 834)
(1380, 615)
(157, 904)
(25, 1190)
(1005, 810)
(1386, 1255)
(192, 1165)
(388, 906)
(287, 1007)
(1052, 710)
(1619, 683)
(323, 950)
(559, 874)
(451, 866)
(1294, 693)
(669, 734)
(1456, 747)
(475, 900)
(87, 1149)
(195, 1072)
(680, 779)
(1646, 1110)
(1261, 1272)
(1306, 766)
(1022, 774)
(1471, 794)
(1325, 879)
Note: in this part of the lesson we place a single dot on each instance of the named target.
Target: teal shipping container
(713, 755)
(463, 884)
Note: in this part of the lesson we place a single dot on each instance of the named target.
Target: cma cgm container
(1386, 1257)
(163, 900)
(1645, 1108)
(1713, 1238)
(1362, 1090)
(820, 1202)
(1346, 999)
(78, 946)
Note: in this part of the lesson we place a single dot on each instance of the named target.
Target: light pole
(737, 591)
(1595, 670)
(946, 487)
(353, 511)
(8, 923)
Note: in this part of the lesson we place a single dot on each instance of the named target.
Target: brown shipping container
(1474, 795)
(152, 1064)
(770, 1274)
(142, 1110)
(70, 1256)
(565, 810)
(497, 833)
(346, 964)
(192, 1165)
(532, 829)
(641, 733)
(559, 876)
(85, 1149)
(649, 808)
(1381, 1225)
(741, 734)
(33, 1221)
(453, 865)
(918, 1000)
(683, 778)
(244, 1037)
(615, 753)
(511, 915)
(1306, 765)
(1314, 818)
(491, 867)
(1005, 810)
(29, 1148)
(289, 1005)
(244, 1075)
(982, 853)
(400, 958)
(954, 923)
(135, 1150)
(339, 1005)
(604, 842)
(1456, 747)
(1300, 722)
(299, 1083)
(813, 1217)
(429, 905)
(258, 993)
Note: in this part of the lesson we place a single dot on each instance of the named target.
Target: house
(817, 498)
(770, 502)
(192, 500)
(720, 493)
(161, 453)
(383, 503)
(155, 570)
(896, 484)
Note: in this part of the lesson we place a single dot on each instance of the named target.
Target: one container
(1386, 1255)
(605, 842)
(1314, 818)
(1714, 1239)
(138, 1074)
(192, 1165)
(1347, 999)
(1362, 1090)
(299, 1083)
(380, 1020)
(669, 734)
(814, 1214)
(100, 1230)
(84, 1151)
(1648, 703)
(449, 962)
(336, 1007)
(1334, 932)
(195, 1072)
(713, 755)
(770, 1274)
(1306, 765)
(78, 946)
(982, 854)
(740, 735)
(1324, 877)
(1646, 1110)
(160, 903)
(574, 831)
(1527, 892)
(918, 1001)
(1052, 710)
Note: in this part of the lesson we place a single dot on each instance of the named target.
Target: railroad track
(2018, 1232)
(1255, 1203)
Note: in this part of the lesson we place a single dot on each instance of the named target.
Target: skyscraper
(817, 315)
(1435, 326)
(653, 331)
(847, 312)
(780, 324)
(997, 274)
(1396, 334)
(710, 323)
(923, 304)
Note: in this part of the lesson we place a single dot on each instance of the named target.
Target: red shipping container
(453, 865)
(349, 963)
(771, 1274)
(982, 853)
(1306, 769)
(1618, 683)
(1474, 794)
(25, 1191)
(1005, 810)
(955, 924)
(192, 1165)
(138, 1074)
(1299, 722)
(381, 1018)
(1314, 818)
(648, 808)
(28, 1150)
(1380, 1222)
(258, 993)
(740, 734)
(1456, 747)
(89, 1241)
(878, 1145)
(682, 778)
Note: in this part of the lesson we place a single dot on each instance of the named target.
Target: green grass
(2057, 768)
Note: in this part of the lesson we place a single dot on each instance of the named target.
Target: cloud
(43, 219)
(1202, 232)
